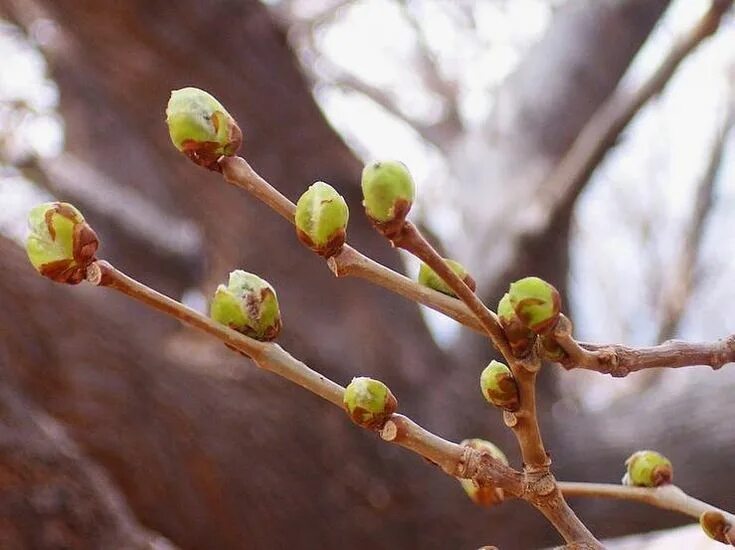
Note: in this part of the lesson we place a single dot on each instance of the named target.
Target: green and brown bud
(428, 277)
(648, 469)
(201, 128)
(369, 403)
(249, 305)
(499, 387)
(536, 303)
(389, 191)
(61, 245)
(321, 219)
(520, 337)
(550, 349)
(483, 495)
(716, 527)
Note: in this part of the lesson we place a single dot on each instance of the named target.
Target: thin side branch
(616, 360)
(456, 460)
(602, 131)
(668, 497)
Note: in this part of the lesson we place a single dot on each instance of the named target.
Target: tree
(147, 420)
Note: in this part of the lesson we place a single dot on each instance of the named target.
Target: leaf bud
(520, 337)
(388, 193)
(428, 277)
(499, 387)
(483, 495)
(648, 469)
(714, 524)
(369, 403)
(321, 219)
(61, 244)
(201, 128)
(536, 303)
(249, 305)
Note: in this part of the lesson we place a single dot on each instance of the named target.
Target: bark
(52, 495)
(209, 451)
(541, 109)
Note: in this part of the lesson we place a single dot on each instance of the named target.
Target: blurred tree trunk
(208, 450)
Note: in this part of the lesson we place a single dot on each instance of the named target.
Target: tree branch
(604, 128)
(615, 359)
(456, 460)
(667, 497)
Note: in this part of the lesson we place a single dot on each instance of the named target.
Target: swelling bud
(61, 244)
(201, 128)
(713, 523)
(428, 277)
(483, 495)
(321, 219)
(520, 337)
(249, 305)
(388, 193)
(648, 469)
(536, 303)
(369, 403)
(499, 387)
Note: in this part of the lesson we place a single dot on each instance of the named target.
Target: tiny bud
(321, 219)
(499, 387)
(520, 337)
(550, 350)
(61, 245)
(428, 277)
(369, 402)
(536, 303)
(249, 305)
(713, 523)
(648, 469)
(483, 495)
(201, 128)
(388, 190)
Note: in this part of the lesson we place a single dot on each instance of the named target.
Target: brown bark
(51, 495)
(208, 450)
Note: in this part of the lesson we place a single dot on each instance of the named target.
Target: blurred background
(121, 429)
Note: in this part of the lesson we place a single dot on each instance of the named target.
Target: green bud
(201, 128)
(550, 350)
(388, 191)
(249, 305)
(715, 525)
(499, 387)
(61, 245)
(369, 402)
(520, 337)
(648, 469)
(428, 277)
(321, 219)
(536, 303)
(483, 495)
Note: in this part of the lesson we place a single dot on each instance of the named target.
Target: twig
(617, 360)
(524, 422)
(603, 129)
(411, 240)
(560, 189)
(348, 262)
(542, 490)
(456, 460)
(668, 497)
